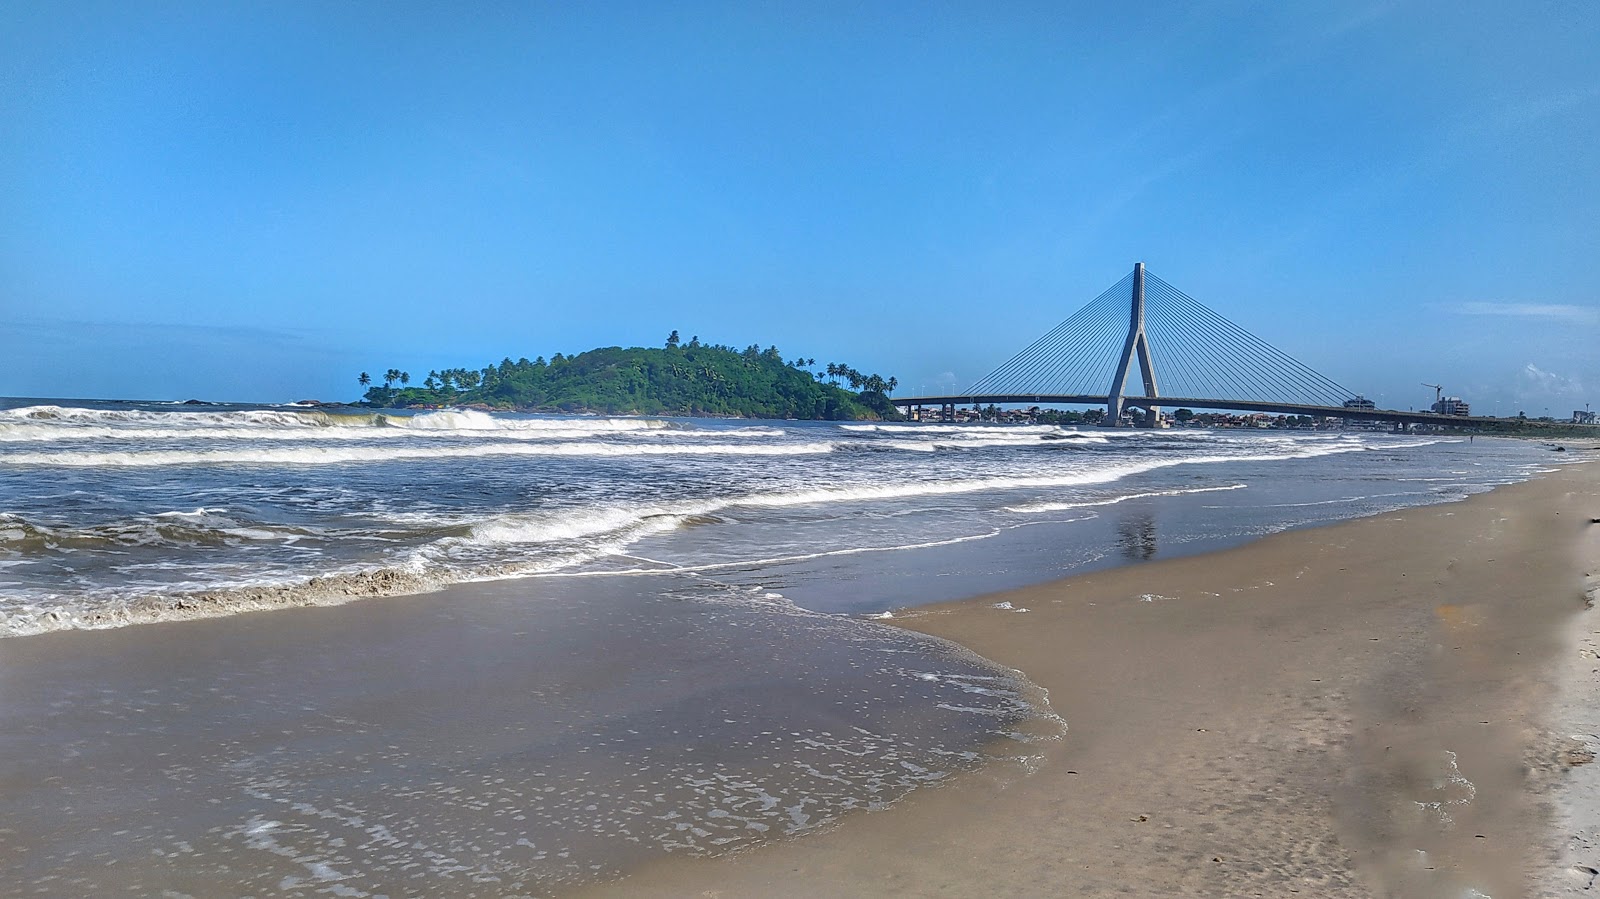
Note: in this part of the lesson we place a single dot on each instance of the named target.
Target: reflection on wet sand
(1136, 535)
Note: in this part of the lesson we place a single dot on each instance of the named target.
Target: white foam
(934, 444)
(954, 430)
(1084, 504)
(73, 415)
(333, 455)
(630, 523)
(474, 420)
(54, 423)
(748, 563)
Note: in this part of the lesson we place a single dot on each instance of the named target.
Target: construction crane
(1438, 393)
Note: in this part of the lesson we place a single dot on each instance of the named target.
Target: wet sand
(1367, 709)
(501, 739)
(1576, 717)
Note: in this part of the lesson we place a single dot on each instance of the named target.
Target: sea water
(117, 513)
(655, 635)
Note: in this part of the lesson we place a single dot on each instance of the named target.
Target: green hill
(687, 379)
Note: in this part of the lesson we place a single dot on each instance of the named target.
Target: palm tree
(405, 377)
(363, 379)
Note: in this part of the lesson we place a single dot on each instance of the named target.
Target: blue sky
(257, 201)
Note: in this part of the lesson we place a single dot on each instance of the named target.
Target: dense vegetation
(679, 379)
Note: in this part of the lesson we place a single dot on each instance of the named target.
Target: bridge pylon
(1135, 345)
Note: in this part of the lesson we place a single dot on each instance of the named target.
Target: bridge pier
(1137, 345)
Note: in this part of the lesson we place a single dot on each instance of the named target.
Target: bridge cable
(1328, 387)
(1042, 350)
(1230, 378)
(1271, 364)
(1052, 365)
(1079, 368)
(1028, 358)
(1168, 337)
(1172, 353)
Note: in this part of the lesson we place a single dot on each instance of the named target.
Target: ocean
(581, 642)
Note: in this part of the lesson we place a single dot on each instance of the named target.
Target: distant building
(1360, 402)
(1452, 405)
(1585, 418)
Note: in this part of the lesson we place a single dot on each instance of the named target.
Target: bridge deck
(1174, 402)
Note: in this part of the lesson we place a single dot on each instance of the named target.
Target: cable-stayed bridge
(1144, 345)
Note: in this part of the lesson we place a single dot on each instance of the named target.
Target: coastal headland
(1376, 708)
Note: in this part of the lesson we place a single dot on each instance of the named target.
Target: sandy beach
(1398, 705)
(1379, 708)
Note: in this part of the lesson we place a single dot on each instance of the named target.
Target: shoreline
(1356, 709)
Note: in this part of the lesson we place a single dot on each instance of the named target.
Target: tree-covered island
(679, 379)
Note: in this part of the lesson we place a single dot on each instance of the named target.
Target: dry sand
(1368, 709)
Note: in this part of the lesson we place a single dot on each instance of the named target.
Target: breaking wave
(334, 455)
(114, 516)
(460, 550)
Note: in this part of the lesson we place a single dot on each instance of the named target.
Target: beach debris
(1574, 756)
(1452, 790)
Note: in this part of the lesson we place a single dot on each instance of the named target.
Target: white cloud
(1536, 382)
(1564, 312)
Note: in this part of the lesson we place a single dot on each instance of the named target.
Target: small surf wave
(43, 422)
(201, 527)
(101, 613)
(1111, 501)
(74, 415)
